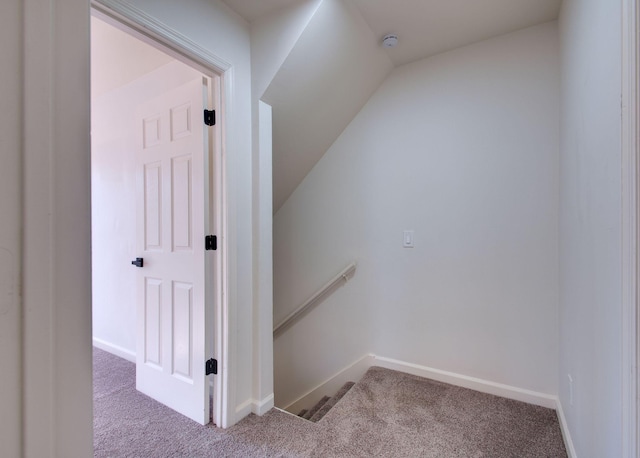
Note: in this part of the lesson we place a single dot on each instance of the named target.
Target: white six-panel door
(171, 340)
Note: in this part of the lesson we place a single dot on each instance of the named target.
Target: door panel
(171, 221)
(180, 121)
(182, 330)
(152, 206)
(153, 310)
(181, 204)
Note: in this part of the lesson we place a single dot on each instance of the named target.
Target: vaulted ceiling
(338, 62)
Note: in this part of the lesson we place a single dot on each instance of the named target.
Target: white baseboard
(244, 409)
(356, 370)
(564, 427)
(115, 349)
(258, 407)
(262, 407)
(473, 383)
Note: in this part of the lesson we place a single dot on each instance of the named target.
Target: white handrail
(317, 297)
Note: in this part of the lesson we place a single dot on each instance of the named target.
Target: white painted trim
(115, 349)
(149, 26)
(564, 428)
(630, 224)
(156, 33)
(258, 407)
(464, 381)
(356, 370)
(262, 407)
(287, 412)
(244, 409)
(263, 257)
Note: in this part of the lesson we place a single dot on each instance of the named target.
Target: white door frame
(147, 29)
(630, 228)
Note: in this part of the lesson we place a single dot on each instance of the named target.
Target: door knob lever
(139, 262)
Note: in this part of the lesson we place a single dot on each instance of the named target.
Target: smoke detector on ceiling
(390, 41)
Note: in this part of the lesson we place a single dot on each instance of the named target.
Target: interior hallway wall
(461, 148)
(273, 36)
(11, 75)
(52, 129)
(590, 225)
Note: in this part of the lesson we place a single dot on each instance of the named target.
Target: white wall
(462, 148)
(113, 187)
(273, 36)
(10, 259)
(590, 225)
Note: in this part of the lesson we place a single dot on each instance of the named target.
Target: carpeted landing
(386, 414)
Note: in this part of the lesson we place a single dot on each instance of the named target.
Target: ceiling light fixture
(389, 41)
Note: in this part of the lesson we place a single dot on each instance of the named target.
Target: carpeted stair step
(316, 407)
(331, 402)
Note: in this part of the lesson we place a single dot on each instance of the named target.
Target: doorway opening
(132, 69)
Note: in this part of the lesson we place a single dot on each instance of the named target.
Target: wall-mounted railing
(316, 299)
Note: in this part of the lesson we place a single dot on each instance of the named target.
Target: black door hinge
(211, 367)
(211, 242)
(210, 117)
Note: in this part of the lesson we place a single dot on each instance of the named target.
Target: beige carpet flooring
(386, 414)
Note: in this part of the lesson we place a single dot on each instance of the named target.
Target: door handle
(139, 262)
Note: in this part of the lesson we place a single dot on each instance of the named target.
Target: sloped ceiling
(338, 62)
(328, 76)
